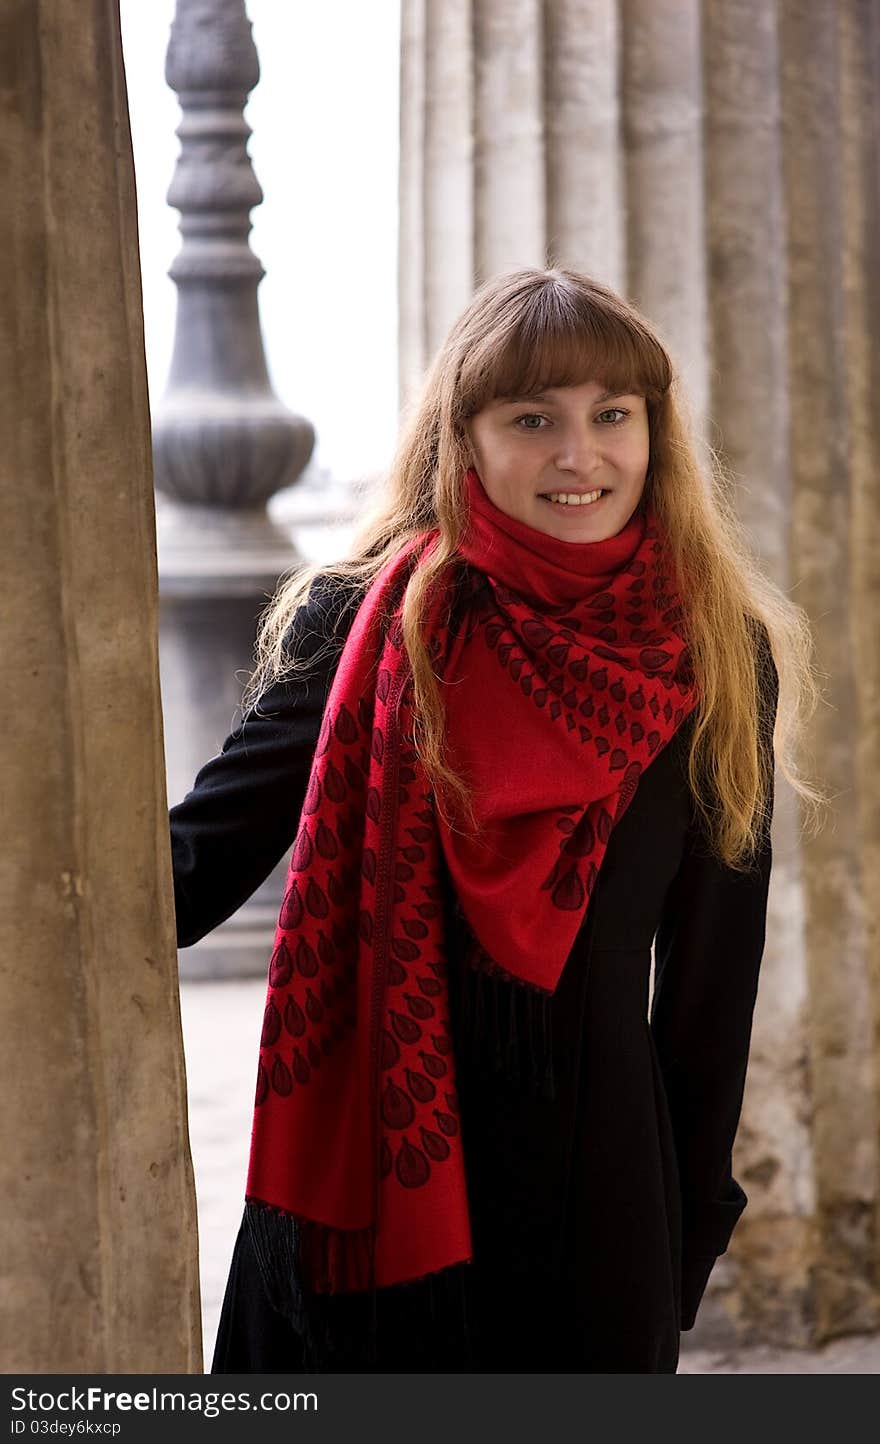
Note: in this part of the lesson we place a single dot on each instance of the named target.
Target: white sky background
(325, 151)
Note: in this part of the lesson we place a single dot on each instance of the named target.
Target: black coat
(597, 1213)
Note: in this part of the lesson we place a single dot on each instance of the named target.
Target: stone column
(830, 184)
(718, 164)
(767, 1282)
(98, 1253)
(519, 147)
(859, 68)
(223, 442)
(793, 257)
(665, 211)
(583, 119)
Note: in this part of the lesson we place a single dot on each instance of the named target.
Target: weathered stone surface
(98, 1252)
(663, 167)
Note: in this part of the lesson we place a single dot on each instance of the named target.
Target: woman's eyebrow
(547, 396)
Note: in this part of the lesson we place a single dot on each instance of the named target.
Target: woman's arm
(708, 954)
(243, 810)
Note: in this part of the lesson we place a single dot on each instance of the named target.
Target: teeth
(570, 498)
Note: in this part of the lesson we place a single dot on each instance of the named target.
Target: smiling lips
(573, 498)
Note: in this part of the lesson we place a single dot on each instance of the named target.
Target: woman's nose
(578, 450)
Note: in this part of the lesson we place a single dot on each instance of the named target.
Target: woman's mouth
(573, 499)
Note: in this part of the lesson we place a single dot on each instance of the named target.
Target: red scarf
(565, 677)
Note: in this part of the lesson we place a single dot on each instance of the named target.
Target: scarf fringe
(342, 1327)
(510, 1023)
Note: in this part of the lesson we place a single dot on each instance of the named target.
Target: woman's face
(572, 440)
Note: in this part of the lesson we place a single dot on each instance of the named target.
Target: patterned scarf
(566, 674)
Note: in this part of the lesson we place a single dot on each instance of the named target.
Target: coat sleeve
(243, 810)
(708, 953)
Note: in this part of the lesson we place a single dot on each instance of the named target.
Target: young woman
(520, 735)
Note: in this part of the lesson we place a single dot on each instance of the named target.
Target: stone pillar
(859, 69)
(584, 157)
(98, 1253)
(793, 257)
(718, 164)
(665, 215)
(223, 442)
(830, 183)
(751, 401)
(519, 147)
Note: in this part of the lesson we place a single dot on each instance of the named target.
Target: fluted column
(472, 175)
(509, 185)
(519, 147)
(859, 53)
(825, 262)
(98, 1243)
(586, 216)
(665, 213)
(750, 409)
(449, 160)
(718, 164)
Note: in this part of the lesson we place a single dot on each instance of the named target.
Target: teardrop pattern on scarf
(554, 652)
(280, 1077)
(569, 893)
(325, 842)
(581, 840)
(446, 1123)
(291, 908)
(437, 1067)
(302, 850)
(411, 1165)
(420, 1087)
(316, 900)
(312, 800)
(398, 1109)
(306, 959)
(271, 1025)
(406, 951)
(434, 1144)
(396, 971)
(280, 966)
(419, 1007)
(294, 1018)
(345, 726)
(407, 1030)
(389, 1050)
(314, 1006)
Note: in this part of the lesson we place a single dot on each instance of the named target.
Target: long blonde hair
(533, 329)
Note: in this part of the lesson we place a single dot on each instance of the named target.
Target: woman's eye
(533, 421)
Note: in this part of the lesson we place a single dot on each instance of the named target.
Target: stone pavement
(221, 1026)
